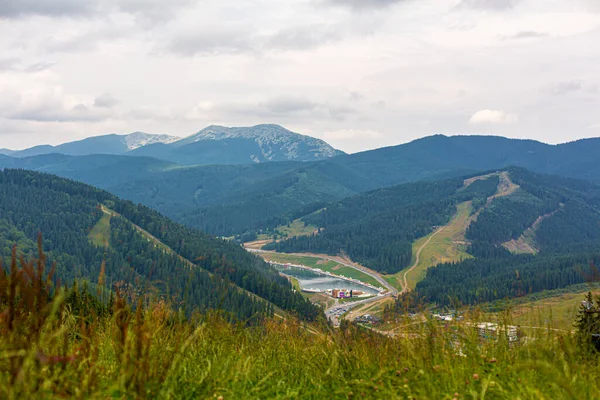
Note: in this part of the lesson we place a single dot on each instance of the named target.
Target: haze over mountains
(212, 145)
(106, 144)
(246, 195)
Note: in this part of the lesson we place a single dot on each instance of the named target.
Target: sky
(359, 74)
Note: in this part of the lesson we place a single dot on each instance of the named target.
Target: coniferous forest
(201, 273)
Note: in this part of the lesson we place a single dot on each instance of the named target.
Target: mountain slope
(212, 145)
(69, 214)
(203, 196)
(439, 155)
(241, 145)
(378, 229)
(105, 144)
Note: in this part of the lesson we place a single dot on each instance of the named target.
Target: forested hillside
(70, 216)
(555, 219)
(568, 241)
(378, 228)
(234, 199)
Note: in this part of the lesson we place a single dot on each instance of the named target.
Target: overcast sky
(358, 73)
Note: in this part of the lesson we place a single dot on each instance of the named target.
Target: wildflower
(475, 377)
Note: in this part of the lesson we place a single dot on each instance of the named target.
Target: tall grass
(151, 351)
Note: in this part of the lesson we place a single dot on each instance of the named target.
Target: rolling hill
(435, 156)
(241, 198)
(87, 230)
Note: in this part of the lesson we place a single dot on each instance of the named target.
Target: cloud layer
(358, 73)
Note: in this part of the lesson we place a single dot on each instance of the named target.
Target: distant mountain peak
(275, 142)
(136, 140)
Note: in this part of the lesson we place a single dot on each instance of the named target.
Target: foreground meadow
(59, 343)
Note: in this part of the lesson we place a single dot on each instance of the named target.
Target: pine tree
(588, 319)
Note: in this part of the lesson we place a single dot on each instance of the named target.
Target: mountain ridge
(212, 145)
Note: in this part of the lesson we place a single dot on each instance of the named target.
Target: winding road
(405, 286)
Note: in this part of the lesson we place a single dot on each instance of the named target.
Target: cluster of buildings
(344, 293)
(450, 316)
(367, 319)
(490, 330)
(485, 330)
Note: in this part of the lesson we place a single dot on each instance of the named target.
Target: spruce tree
(588, 319)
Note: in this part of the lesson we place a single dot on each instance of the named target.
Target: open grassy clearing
(555, 311)
(321, 299)
(296, 228)
(448, 243)
(100, 233)
(444, 245)
(374, 308)
(293, 229)
(325, 265)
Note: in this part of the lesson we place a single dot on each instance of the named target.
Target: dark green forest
(65, 211)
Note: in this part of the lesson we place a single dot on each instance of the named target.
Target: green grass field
(446, 246)
(100, 233)
(295, 228)
(325, 265)
(53, 350)
(555, 311)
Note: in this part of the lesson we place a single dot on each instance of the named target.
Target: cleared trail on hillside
(448, 248)
(405, 288)
(278, 312)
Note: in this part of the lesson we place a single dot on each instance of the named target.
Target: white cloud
(344, 68)
(493, 117)
(105, 100)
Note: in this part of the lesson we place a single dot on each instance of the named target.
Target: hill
(439, 155)
(384, 229)
(220, 199)
(85, 228)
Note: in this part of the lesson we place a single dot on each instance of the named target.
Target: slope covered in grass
(73, 345)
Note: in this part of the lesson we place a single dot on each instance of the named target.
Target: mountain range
(212, 145)
(237, 198)
(525, 211)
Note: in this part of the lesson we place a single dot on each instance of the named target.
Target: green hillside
(377, 228)
(406, 229)
(201, 271)
(568, 241)
(236, 199)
